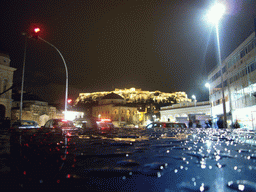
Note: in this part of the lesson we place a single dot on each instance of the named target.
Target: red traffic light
(36, 30)
(69, 101)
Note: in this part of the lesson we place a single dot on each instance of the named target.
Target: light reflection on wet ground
(142, 160)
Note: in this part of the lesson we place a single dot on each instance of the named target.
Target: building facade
(136, 107)
(114, 107)
(183, 112)
(6, 82)
(33, 108)
(133, 95)
(239, 82)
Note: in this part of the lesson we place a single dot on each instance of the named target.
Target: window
(250, 47)
(224, 69)
(225, 83)
(253, 67)
(242, 53)
(249, 69)
(47, 124)
(5, 85)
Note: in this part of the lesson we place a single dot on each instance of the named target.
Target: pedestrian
(206, 124)
(198, 125)
(220, 123)
(190, 124)
(210, 122)
(236, 125)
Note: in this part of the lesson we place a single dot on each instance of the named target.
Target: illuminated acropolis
(132, 95)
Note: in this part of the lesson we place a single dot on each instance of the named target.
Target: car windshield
(128, 95)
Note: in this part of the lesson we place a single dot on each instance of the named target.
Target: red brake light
(36, 30)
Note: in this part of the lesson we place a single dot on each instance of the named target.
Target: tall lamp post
(35, 34)
(209, 87)
(66, 95)
(214, 15)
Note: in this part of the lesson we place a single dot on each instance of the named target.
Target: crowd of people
(208, 124)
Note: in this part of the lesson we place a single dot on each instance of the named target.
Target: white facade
(184, 109)
(239, 80)
(6, 81)
(34, 110)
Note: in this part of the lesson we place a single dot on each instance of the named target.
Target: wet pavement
(133, 160)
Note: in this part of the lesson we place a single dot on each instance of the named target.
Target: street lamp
(214, 15)
(66, 95)
(209, 87)
(194, 97)
(35, 34)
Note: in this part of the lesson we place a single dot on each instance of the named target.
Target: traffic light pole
(66, 95)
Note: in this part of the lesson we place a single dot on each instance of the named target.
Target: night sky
(163, 45)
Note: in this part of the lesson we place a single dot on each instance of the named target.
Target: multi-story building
(239, 82)
(6, 81)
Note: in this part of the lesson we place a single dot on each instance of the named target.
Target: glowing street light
(215, 13)
(209, 87)
(194, 97)
(214, 16)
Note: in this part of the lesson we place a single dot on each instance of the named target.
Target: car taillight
(11, 129)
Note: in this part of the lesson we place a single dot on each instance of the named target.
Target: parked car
(166, 125)
(60, 126)
(104, 125)
(96, 125)
(24, 126)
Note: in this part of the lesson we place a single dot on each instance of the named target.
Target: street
(159, 159)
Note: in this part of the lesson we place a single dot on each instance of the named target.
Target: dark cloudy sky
(163, 45)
